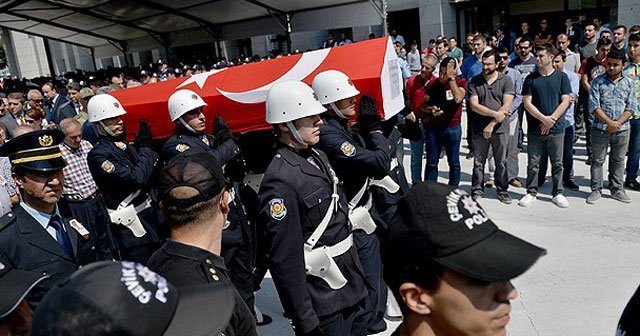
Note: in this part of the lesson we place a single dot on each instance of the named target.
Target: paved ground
(580, 287)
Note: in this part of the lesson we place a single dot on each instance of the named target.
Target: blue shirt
(42, 217)
(574, 80)
(613, 98)
(516, 78)
(471, 67)
(632, 71)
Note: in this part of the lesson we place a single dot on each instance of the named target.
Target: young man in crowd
(490, 96)
(471, 67)
(572, 62)
(444, 293)
(526, 64)
(620, 38)
(546, 95)
(612, 101)
(632, 70)
(588, 46)
(591, 68)
(454, 51)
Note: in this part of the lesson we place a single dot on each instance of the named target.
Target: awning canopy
(113, 27)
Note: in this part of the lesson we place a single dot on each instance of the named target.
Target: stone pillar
(436, 17)
(628, 12)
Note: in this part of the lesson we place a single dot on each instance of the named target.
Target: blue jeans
(617, 143)
(417, 149)
(449, 138)
(633, 160)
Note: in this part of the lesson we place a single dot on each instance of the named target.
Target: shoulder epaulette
(6, 220)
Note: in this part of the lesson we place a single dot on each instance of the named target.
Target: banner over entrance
(238, 93)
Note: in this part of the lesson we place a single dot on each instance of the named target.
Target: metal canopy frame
(163, 38)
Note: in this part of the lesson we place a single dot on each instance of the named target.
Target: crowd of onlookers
(606, 115)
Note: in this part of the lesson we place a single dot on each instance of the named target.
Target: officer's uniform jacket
(29, 247)
(354, 158)
(184, 265)
(120, 170)
(294, 197)
(184, 141)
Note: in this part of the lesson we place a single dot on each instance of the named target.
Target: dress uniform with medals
(123, 174)
(360, 162)
(304, 215)
(34, 236)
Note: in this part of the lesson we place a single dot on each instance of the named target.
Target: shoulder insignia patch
(278, 209)
(182, 147)
(348, 149)
(121, 145)
(7, 220)
(107, 166)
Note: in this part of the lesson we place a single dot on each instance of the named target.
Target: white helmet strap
(336, 110)
(295, 134)
(184, 123)
(106, 129)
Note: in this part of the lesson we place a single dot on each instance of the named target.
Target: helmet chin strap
(184, 123)
(336, 110)
(106, 129)
(295, 134)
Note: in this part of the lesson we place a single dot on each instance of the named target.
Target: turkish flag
(238, 93)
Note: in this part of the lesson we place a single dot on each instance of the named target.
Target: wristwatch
(450, 79)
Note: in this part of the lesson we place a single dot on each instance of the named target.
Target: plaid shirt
(77, 177)
(632, 70)
(613, 98)
(6, 179)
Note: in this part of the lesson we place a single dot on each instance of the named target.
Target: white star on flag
(199, 79)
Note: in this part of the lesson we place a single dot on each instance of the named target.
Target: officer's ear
(283, 128)
(19, 179)
(224, 203)
(416, 298)
(163, 209)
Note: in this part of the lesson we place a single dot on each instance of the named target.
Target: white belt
(127, 214)
(320, 262)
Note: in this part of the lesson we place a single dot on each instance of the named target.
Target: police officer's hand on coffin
(368, 118)
(143, 138)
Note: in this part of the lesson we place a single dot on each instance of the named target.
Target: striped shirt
(77, 177)
(632, 70)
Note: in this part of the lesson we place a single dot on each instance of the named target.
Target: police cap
(36, 150)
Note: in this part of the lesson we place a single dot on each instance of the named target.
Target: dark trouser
(619, 143)
(469, 128)
(633, 160)
(498, 143)
(368, 246)
(567, 158)
(520, 131)
(535, 149)
(513, 166)
(140, 249)
(93, 216)
(343, 322)
(449, 138)
(588, 122)
(239, 261)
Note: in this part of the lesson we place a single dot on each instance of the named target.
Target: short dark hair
(548, 47)
(617, 54)
(635, 28)
(502, 50)
(623, 27)
(432, 41)
(561, 54)
(491, 53)
(73, 86)
(16, 96)
(480, 38)
(453, 38)
(426, 276)
(526, 39)
(180, 216)
(634, 37)
(603, 41)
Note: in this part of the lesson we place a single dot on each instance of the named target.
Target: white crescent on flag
(307, 64)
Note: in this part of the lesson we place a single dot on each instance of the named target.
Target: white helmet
(333, 85)
(104, 106)
(291, 100)
(183, 101)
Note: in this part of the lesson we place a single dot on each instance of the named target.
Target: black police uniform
(184, 265)
(120, 170)
(237, 242)
(24, 242)
(356, 159)
(184, 141)
(295, 195)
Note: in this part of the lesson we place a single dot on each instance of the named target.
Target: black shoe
(477, 194)
(569, 184)
(504, 197)
(588, 160)
(266, 319)
(632, 185)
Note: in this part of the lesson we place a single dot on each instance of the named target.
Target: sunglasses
(29, 121)
(503, 58)
(12, 103)
(524, 48)
(39, 101)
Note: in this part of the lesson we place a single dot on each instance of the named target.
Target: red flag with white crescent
(238, 93)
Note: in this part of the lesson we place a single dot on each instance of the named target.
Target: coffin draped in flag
(238, 93)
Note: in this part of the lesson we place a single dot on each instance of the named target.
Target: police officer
(358, 161)
(35, 237)
(122, 174)
(304, 215)
(186, 111)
